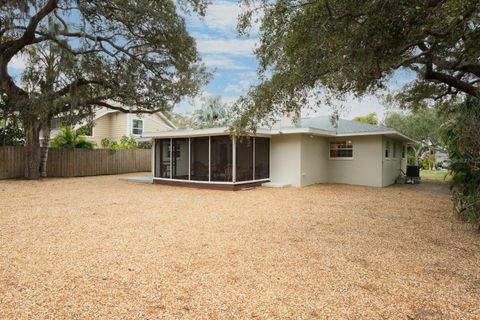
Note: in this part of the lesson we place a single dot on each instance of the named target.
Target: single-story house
(309, 151)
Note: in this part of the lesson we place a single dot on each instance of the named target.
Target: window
(137, 126)
(262, 158)
(387, 149)
(199, 159)
(404, 151)
(341, 149)
(180, 161)
(221, 158)
(162, 158)
(244, 159)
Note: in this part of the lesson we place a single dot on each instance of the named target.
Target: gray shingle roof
(344, 126)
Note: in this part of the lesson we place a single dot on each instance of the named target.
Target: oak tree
(123, 53)
(310, 49)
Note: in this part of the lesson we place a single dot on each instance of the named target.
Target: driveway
(100, 247)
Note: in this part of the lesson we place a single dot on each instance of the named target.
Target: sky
(231, 60)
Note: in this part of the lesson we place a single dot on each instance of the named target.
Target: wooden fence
(77, 162)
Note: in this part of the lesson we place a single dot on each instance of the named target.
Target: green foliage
(370, 118)
(313, 51)
(181, 121)
(70, 139)
(462, 138)
(86, 130)
(213, 113)
(423, 125)
(130, 56)
(11, 133)
(144, 145)
(123, 144)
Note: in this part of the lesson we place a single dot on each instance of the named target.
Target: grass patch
(435, 175)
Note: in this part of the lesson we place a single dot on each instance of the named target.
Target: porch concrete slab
(275, 185)
(142, 179)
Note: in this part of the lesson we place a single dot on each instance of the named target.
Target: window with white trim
(404, 151)
(137, 126)
(387, 149)
(341, 149)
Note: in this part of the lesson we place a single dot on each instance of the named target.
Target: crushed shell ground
(102, 248)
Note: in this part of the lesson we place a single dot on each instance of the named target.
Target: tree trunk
(44, 153)
(32, 151)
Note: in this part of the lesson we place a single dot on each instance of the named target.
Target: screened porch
(218, 159)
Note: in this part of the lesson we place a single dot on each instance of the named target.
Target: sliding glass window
(221, 158)
(180, 159)
(199, 159)
(244, 158)
(262, 158)
(162, 158)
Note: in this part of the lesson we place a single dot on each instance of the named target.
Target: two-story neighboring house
(114, 125)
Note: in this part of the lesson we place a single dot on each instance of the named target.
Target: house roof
(343, 126)
(320, 126)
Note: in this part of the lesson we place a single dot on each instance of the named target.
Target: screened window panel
(244, 158)
(180, 159)
(158, 155)
(163, 146)
(199, 159)
(262, 158)
(221, 158)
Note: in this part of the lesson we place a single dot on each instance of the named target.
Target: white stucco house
(307, 152)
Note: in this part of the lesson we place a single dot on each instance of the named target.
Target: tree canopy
(131, 56)
(370, 118)
(213, 113)
(461, 135)
(424, 126)
(314, 49)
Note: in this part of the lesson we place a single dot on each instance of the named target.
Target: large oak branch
(451, 81)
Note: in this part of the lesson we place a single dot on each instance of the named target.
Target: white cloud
(237, 47)
(18, 62)
(222, 15)
(239, 88)
(218, 61)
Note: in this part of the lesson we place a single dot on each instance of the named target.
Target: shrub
(124, 143)
(145, 145)
(70, 139)
(462, 138)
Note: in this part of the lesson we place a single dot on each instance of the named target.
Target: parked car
(445, 164)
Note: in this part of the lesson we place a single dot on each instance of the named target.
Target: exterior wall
(285, 159)
(365, 168)
(117, 124)
(153, 123)
(314, 160)
(391, 166)
(101, 129)
(302, 160)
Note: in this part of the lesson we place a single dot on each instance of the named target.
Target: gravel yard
(98, 247)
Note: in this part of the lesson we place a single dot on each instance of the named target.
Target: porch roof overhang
(190, 133)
